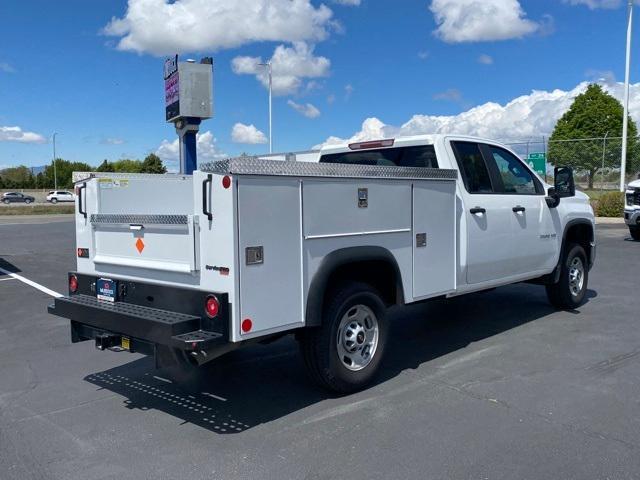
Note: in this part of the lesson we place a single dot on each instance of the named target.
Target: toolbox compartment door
(270, 254)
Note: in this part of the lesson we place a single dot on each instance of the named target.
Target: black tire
(565, 294)
(635, 233)
(319, 346)
(27, 201)
(54, 200)
(6, 201)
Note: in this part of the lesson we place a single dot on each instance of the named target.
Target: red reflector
(73, 283)
(373, 144)
(226, 181)
(247, 325)
(212, 306)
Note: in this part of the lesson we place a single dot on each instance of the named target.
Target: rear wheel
(568, 293)
(635, 233)
(344, 354)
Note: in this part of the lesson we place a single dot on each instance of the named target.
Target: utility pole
(268, 65)
(55, 171)
(625, 120)
(604, 151)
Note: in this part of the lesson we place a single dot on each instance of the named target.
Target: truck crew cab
(249, 248)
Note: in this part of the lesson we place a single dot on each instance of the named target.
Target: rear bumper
(145, 328)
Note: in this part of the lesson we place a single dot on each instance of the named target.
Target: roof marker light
(373, 144)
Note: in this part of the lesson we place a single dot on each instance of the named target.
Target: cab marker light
(373, 144)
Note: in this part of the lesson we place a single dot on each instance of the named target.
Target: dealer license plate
(106, 289)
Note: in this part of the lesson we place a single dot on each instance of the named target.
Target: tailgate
(140, 222)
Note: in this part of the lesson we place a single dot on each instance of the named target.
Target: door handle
(476, 210)
(518, 209)
(205, 207)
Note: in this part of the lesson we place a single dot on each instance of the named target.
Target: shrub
(610, 204)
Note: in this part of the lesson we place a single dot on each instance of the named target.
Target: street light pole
(55, 172)
(625, 120)
(268, 65)
(604, 151)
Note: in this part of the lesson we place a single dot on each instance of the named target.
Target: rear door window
(473, 168)
(423, 156)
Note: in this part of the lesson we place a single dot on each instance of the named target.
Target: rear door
(144, 222)
(490, 247)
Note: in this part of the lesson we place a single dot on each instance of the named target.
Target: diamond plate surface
(82, 176)
(119, 219)
(257, 166)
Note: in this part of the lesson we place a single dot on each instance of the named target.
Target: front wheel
(6, 201)
(27, 201)
(54, 200)
(344, 354)
(635, 233)
(569, 292)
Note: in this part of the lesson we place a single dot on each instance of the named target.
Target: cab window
(423, 156)
(514, 176)
(473, 168)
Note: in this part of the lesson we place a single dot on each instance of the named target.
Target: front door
(531, 223)
(490, 248)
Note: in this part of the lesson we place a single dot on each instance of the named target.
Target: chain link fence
(596, 161)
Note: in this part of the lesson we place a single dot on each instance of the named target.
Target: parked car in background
(632, 209)
(56, 196)
(16, 197)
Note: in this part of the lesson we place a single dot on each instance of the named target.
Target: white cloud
(241, 133)
(6, 68)
(289, 65)
(206, 148)
(480, 20)
(450, 95)
(528, 116)
(348, 91)
(350, 3)
(485, 59)
(595, 4)
(308, 110)
(423, 54)
(163, 27)
(331, 98)
(16, 134)
(112, 141)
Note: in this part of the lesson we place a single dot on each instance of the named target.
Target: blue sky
(410, 66)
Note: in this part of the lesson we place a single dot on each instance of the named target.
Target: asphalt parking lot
(495, 385)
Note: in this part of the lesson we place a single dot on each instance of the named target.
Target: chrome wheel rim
(576, 276)
(357, 338)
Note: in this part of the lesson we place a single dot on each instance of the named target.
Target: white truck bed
(293, 215)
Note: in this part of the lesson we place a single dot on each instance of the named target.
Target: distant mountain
(37, 170)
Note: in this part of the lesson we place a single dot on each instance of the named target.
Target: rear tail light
(212, 306)
(73, 284)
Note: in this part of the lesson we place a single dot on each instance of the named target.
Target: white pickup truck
(189, 267)
(632, 208)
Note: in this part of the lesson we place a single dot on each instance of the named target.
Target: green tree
(153, 164)
(127, 165)
(64, 170)
(106, 166)
(18, 177)
(593, 114)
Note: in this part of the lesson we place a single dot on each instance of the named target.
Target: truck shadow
(260, 384)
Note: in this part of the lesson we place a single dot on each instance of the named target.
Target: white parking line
(5, 279)
(31, 283)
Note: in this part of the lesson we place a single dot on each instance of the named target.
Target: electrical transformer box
(187, 89)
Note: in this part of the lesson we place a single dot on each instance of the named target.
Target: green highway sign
(538, 162)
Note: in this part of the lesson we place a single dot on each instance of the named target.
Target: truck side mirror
(564, 183)
(564, 186)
